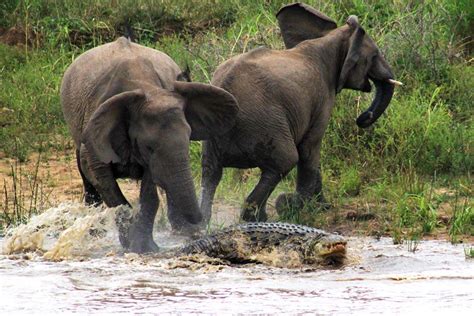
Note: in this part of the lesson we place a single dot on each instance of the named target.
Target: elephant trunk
(383, 96)
(183, 208)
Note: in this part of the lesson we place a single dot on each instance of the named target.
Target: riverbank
(433, 211)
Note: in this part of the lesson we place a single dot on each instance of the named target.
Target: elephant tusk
(395, 82)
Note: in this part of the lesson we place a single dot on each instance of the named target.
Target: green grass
(469, 252)
(28, 196)
(422, 143)
(462, 221)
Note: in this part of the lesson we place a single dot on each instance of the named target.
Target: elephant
(131, 116)
(285, 101)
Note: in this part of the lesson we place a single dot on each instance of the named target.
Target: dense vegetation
(395, 168)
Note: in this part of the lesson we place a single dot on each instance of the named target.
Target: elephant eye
(149, 148)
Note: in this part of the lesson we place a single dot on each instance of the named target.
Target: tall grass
(28, 195)
(426, 133)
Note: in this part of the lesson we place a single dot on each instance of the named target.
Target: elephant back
(88, 75)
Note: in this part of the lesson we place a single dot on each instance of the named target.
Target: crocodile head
(329, 249)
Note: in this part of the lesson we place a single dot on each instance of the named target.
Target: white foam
(67, 231)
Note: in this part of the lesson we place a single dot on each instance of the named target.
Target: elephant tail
(128, 32)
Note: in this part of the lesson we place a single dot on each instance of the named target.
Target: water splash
(70, 230)
(78, 232)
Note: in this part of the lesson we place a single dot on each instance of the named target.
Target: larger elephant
(129, 117)
(286, 98)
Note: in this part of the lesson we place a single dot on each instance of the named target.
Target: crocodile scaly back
(238, 242)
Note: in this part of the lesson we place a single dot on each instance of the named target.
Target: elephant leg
(102, 178)
(283, 156)
(140, 234)
(308, 184)
(91, 196)
(211, 176)
(103, 181)
(254, 209)
(309, 181)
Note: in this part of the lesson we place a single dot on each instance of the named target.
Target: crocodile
(244, 243)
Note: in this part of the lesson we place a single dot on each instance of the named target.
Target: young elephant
(130, 118)
(285, 101)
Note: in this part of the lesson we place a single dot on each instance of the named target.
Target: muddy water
(95, 277)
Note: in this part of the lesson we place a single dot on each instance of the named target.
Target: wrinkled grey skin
(285, 100)
(129, 117)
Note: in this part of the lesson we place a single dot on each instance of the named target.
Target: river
(94, 277)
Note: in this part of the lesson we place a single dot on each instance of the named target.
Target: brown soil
(16, 36)
(52, 178)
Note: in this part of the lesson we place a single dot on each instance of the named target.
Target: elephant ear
(209, 110)
(299, 22)
(353, 53)
(105, 134)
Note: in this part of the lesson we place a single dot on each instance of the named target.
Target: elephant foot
(322, 203)
(182, 227)
(143, 244)
(289, 203)
(92, 199)
(319, 203)
(135, 235)
(188, 230)
(292, 203)
(251, 213)
(322, 206)
(123, 220)
(140, 239)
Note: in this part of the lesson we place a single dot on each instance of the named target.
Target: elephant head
(153, 127)
(359, 59)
